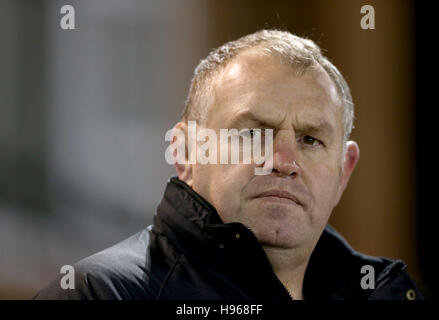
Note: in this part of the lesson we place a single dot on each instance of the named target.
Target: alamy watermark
(68, 280)
(246, 147)
(67, 21)
(368, 20)
(368, 280)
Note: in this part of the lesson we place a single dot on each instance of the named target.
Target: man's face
(256, 91)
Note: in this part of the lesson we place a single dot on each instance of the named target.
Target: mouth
(279, 196)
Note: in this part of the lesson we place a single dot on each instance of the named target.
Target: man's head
(274, 80)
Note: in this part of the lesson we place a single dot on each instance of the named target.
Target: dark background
(83, 116)
(426, 159)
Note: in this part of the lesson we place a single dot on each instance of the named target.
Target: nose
(285, 154)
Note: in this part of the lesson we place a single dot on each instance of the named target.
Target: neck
(289, 264)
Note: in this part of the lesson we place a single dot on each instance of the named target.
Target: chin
(286, 234)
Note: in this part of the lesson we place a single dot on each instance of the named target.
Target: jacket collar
(195, 228)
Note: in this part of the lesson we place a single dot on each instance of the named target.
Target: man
(223, 232)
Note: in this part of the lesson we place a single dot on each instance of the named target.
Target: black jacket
(188, 253)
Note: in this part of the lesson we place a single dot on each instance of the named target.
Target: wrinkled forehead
(251, 64)
(254, 77)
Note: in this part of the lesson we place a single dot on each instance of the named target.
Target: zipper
(268, 263)
(253, 246)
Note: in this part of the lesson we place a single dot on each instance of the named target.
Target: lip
(278, 196)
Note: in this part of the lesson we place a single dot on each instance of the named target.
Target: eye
(247, 133)
(253, 132)
(311, 141)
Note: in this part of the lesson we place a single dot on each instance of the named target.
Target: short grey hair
(297, 51)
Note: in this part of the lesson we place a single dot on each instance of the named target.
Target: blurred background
(84, 112)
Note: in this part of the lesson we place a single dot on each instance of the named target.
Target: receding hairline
(255, 54)
(299, 53)
(252, 57)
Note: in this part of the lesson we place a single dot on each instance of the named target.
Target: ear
(184, 170)
(352, 156)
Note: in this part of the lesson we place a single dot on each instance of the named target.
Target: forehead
(272, 88)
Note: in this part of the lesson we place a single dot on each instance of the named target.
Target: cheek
(323, 184)
(226, 189)
(202, 180)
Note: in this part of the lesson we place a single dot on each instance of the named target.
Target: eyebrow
(249, 116)
(322, 127)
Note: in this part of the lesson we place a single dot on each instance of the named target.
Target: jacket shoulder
(118, 272)
(353, 268)
(399, 287)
